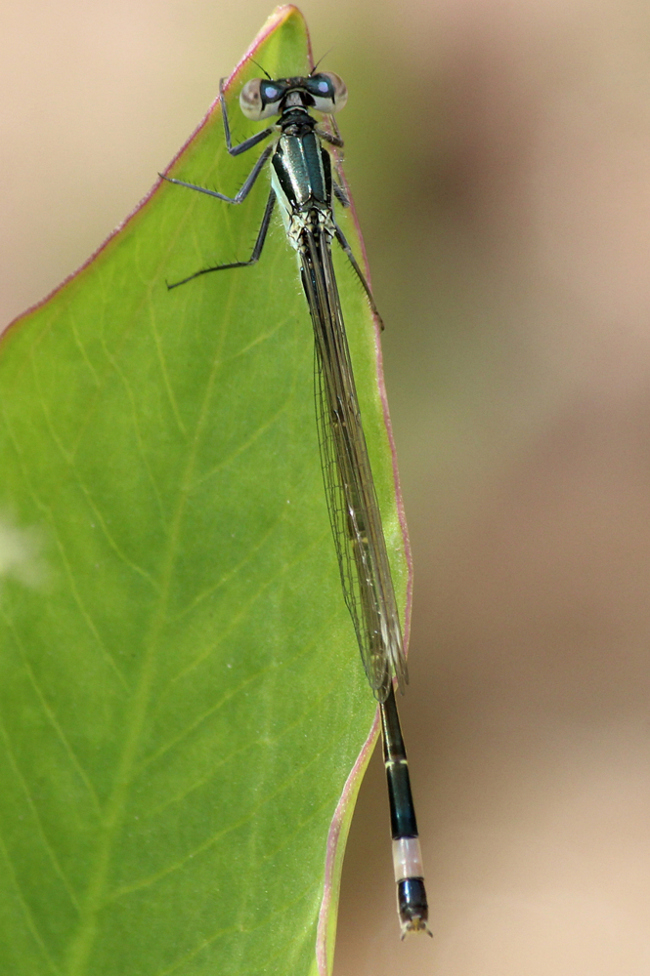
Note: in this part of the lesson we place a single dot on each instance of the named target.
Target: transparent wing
(349, 487)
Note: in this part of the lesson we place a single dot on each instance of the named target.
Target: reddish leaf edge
(335, 849)
(279, 16)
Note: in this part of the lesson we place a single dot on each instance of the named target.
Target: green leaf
(181, 694)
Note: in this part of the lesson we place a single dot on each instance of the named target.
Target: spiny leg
(257, 249)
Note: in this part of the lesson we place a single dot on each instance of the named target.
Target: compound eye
(329, 92)
(260, 99)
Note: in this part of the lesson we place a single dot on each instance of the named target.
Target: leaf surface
(181, 695)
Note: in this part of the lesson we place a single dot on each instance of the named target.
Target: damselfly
(303, 186)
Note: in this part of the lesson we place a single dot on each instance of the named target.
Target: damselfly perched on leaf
(304, 188)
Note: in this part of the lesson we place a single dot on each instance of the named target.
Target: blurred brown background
(500, 159)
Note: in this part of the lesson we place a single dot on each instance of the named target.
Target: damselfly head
(262, 98)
